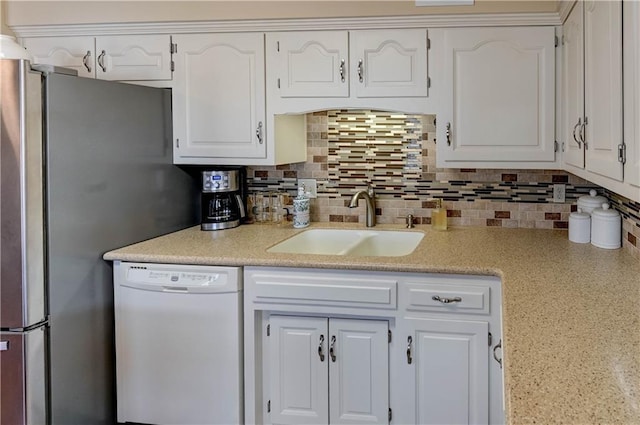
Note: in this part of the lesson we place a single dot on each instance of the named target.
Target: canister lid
(579, 215)
(591, 201)
(605, 212)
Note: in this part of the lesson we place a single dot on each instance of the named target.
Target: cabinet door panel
(68, 52)
(450, 361)
(603, 87)
(501, 85)
(390, 63)
(311, 64)
(359, 377)
(132, 58)
(631, 56)
(218, 96)
(573, 86)
(298, 377)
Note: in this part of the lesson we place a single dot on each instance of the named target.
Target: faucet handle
(409, 219)
(370, 190)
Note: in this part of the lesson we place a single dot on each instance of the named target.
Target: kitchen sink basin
(358, 243)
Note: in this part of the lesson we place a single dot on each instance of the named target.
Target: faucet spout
(371, 205)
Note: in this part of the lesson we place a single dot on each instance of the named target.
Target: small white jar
(590, 202)
(579, 227)
(606, 228)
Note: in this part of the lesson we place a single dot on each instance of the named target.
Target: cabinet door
(389, 63)
(499, 95)
(450, 371)
(133, 58)
(573, 84)
(219, 97)
(603, 86)
(298, 384)
(310, 63)
(68, 52)
(359, 372)
(631, 56)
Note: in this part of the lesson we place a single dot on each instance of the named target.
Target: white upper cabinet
(631, 54)
(314, 70)
(311, 64)
(603, 87)
(120, 58)
(600, 125)
(218, 97)
(391, 63)
(498, 101)
(219, 114)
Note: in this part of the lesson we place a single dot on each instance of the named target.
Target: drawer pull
(447, 300)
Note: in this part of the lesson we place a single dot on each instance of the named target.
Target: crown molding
(255, 25)
(565, 8)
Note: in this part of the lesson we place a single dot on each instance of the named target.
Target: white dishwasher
(178, 332)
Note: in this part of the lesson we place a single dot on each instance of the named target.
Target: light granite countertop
(571, 312)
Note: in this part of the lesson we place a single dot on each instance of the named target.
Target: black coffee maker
(223, 199)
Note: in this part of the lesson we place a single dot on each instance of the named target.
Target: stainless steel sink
(347, 242)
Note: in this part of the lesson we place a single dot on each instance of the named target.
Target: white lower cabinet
(358, 347)
(447, 370)
(328, 370)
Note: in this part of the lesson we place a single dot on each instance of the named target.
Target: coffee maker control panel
(219, 181)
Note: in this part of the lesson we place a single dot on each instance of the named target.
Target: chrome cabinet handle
(342, 70)
(259, 133)
(320, 348)
(448, 134)
(409, 342)
(499, 345)
(360, 71)
(85, 60)
(101, 61)
(575, 127)
(332, 350)
(582, 137)
(446, 300)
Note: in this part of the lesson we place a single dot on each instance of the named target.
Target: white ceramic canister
(301, 209)
(606, 228)
(590, 202)
(579, 227)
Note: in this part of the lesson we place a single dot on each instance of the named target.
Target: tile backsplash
(395, 154)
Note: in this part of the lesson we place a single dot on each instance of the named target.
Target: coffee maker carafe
(222, 203)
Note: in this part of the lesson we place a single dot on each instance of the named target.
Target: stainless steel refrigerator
(86, 167)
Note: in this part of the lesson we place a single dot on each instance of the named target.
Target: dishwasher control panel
(158, 277)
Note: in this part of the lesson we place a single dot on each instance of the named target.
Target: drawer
(442, 298)
(330, 290)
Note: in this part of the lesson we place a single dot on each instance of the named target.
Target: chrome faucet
(370, 198)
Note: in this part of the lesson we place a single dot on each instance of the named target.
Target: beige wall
(21, 12)
(4, 29)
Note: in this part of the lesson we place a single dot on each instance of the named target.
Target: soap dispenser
(439, 216)
(301, 209)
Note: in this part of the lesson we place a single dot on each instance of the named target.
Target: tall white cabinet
(592, 94)
(328, 370)
(498, 100)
